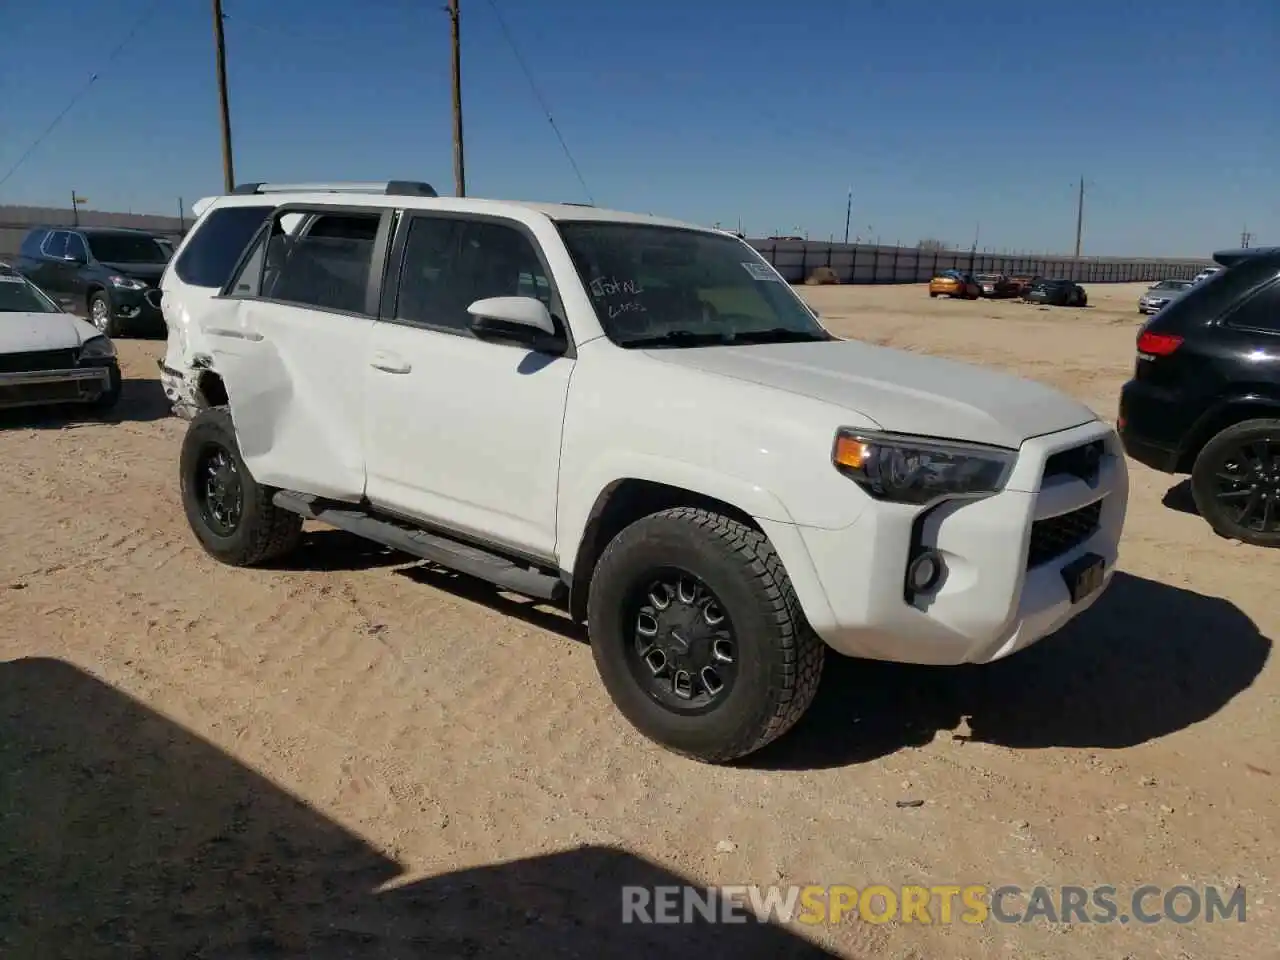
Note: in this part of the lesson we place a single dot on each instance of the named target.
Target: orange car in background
(954, 283)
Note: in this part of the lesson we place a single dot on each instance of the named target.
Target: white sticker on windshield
(759, 271)
(8, 278)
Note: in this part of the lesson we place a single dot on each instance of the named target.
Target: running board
(461, 557)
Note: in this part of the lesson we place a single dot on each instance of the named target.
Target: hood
(146, 272)
(903, 392)
(23, 332)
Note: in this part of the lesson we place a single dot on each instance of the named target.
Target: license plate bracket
(1084, 576)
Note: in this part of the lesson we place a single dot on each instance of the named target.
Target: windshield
(19, 296)
(667, 286)
(126, 248)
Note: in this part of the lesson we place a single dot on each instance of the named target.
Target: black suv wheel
(1236, 482)
(698, 636)
(230, 513)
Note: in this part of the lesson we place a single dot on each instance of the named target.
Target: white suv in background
(636, 418)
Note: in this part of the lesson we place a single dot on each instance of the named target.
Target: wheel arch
(1225, 413)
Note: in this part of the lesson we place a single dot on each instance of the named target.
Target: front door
(461, 432)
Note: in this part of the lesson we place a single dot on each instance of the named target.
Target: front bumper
(40, 387)
(990, 601)
(137, 308)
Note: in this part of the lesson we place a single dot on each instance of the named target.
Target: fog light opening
(924, 572)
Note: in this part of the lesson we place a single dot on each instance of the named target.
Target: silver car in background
(1159, 294)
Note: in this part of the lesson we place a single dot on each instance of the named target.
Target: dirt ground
(356, 756)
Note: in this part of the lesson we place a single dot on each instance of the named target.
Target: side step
(461, 557)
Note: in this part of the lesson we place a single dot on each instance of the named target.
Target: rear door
(289, 336)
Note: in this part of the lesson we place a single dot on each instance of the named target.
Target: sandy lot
(356, 756)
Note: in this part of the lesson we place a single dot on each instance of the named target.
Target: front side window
(669, 286)
(329, 269)
(449, 263)
(17, 295)
(125, 248)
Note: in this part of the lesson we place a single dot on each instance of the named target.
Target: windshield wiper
(678, 338)
(779, 335)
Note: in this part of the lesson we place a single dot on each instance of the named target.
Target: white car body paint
(517, 448)
(27, 332)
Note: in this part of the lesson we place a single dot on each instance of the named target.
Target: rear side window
(329, 267)
(212, 253)
(55, 244)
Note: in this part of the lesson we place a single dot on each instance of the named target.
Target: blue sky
(941, 117)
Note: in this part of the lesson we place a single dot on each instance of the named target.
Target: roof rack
(391, 188)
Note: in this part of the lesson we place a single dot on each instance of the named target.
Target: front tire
(100, 315)
(1235, 482)
(698, 636)
(230, 513)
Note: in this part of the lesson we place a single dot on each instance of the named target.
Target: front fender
(756, 501)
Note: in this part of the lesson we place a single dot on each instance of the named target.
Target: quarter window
(1260, 312)
(211, 255)
(449, 263)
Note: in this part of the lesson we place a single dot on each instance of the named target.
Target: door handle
(389, 364)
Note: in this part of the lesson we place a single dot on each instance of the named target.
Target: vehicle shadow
(1147, 660)
(535, 612)
(328, 550)
(1178, 497)
(141, 401)
(126, 835)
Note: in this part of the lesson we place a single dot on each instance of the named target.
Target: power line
(540, 98)
(79, 95)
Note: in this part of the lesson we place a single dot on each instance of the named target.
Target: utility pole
(1079, 217)
(182, 216)
(848, 212)
(224, 108)
(75, 209)
(459, 169)
(1246, 238)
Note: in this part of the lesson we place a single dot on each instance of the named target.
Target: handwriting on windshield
(612, 287)
(631, 306)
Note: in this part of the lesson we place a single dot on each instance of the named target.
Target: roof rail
(391, 188)
(573, 203)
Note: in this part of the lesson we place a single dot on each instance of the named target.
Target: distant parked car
(112, 273)
(1025, 281)
(1205, 274)
(1058, 293)
(997, 285)
(1205, 395)
(1161, 293)
(48, 356)
(954, 283)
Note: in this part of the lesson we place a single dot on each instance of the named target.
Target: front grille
(1082, 462)
(37, 360)
(31, 393)
(1054, 536)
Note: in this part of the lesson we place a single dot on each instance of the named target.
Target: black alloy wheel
(683, 650)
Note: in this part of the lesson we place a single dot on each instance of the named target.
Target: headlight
(127, 283)
(98, 348)
(915, 470)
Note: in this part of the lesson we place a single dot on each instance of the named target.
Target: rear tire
(762, 652)
(230, 513)
(1220, 500)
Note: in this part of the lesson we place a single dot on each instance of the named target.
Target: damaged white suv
(636, 418)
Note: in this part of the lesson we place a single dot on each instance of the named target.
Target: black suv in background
(111, 273)
(1205, 395)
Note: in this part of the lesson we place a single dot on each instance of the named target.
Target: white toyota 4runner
(633, 417)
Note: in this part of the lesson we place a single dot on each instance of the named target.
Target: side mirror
(520, 319)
